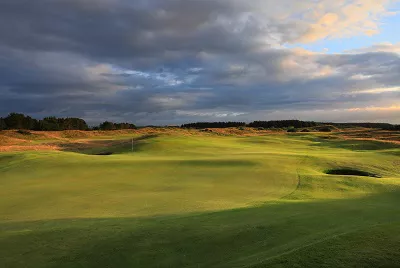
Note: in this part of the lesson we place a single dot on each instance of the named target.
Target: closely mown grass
(201, 201)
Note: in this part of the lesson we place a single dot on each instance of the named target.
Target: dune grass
(202, 201)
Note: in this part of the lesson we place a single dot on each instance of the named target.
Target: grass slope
(202, 201)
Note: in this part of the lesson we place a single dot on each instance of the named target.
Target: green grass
(202, 201)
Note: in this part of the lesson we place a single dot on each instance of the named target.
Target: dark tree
(124, 126)
(72, 124)
(49, 124)
(19, 121)
(114, 126)
(2, 124)
(107, 126)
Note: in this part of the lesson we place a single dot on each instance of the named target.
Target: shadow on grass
(351, 172)
(108, 147)
(354, 145)
(252, 237)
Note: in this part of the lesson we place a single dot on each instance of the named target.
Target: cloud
(373, 108)
(161, 61)
(345, 18)
(382, 47)
(376, 90)
(120, 28)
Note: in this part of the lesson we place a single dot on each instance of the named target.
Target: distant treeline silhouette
(24, 122)
(255, 124)
(287, 124)
(283, 124)
(384, 126)
(21, 121)
(114, 126)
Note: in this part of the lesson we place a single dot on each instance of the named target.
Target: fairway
(201, 200)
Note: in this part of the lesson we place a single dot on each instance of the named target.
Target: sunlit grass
(201, 201)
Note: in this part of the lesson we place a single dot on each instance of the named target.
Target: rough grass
(199, 200)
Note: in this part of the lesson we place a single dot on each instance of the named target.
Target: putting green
(202, 201)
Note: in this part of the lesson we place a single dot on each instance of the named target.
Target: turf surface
(202, 201)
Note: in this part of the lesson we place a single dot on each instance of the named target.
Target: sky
(167, 62)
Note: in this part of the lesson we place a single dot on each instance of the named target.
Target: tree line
(52, 123)
(384, 126)
(255, 124)
(287, 124)
(114, 126)
(283, 124)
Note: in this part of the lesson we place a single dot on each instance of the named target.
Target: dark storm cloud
(120, 29)
(174, 60)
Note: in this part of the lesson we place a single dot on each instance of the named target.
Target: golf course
(189, 198)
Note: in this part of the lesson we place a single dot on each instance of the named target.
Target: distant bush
(325, 129)
(206, 130)
(384, 126)
(23, 132)
(392, 128)
(260, 128)
(291, 130)
(241, 128)
(278, 129)
(305, 130)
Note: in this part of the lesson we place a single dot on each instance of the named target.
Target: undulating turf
(202, 201)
